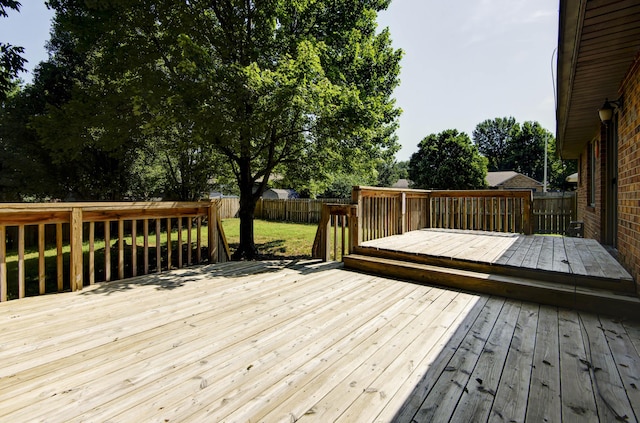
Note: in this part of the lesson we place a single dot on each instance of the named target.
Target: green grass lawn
(275, 239)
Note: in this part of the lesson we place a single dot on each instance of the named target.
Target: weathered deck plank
(544, 389)
(307, 342)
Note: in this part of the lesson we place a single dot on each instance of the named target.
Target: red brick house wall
(628, 235)
(629, 173)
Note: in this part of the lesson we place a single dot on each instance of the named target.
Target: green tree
(493, 138)
(448, 160)
(270, 85)
(390, 171)
(525, 150)
(11, 60)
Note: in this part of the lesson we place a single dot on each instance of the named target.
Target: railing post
(75, 265)
(527, 214)
(356, 198)
(325, 233)
(353, 228)
(212, 230)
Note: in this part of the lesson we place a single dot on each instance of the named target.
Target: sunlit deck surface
(308, 341)
(557, 254)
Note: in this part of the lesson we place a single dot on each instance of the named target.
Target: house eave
(598, 41)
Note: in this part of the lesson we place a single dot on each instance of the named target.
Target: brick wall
(591, 215)
(628, 236)
(629, 174)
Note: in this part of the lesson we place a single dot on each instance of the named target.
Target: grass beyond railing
(135, 235)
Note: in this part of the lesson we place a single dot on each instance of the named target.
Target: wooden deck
(307, 341)
(560, 271)
(548, 254)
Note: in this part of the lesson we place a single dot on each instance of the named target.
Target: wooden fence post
(75, 266)
(212, 231)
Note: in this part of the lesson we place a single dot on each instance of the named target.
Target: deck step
(576, 297)
(569, 279)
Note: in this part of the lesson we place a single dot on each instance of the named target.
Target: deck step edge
(581, 298)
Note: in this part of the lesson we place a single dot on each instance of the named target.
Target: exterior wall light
(606, 111)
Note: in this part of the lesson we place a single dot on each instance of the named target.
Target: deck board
(309, 342)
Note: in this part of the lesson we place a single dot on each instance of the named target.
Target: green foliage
(389, 172)
(493, 138)
(11, 60)
(509, 145)
(294, 87)
(447, 160)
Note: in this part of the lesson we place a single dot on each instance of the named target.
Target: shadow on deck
(568, 272)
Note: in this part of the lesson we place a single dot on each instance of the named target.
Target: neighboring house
(402, 184)
(512, 180)
(279, 194)
(599, 60)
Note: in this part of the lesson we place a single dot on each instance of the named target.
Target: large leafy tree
(493, 138)
(273, 86)
(448, 160)
(509, 145)
(11, 60)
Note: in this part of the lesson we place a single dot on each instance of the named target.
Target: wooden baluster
(179, 242)
(120, 249)
(199, 239)
(134, 248)
(344, 224)
(107, 251)
(92, 253)
(158, 256)
(21, 287)
(168, 243)
(59, 263)
(145, 232)
(41, 262)
(334, 220)
(189, 253)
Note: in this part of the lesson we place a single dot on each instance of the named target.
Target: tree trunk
(247, 249)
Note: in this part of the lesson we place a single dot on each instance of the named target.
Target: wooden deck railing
(328, 237)
(381, 212)
(78, 223)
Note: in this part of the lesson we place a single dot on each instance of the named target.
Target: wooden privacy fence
(79, 223)
(228, 207)
(381, 212)
(553, 212)
(297, 210)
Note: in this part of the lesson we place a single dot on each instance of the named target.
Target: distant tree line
(452, 160)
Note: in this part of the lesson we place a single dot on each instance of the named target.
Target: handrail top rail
(446, 193)
(510, 193)
(94, 206)
(390, 190)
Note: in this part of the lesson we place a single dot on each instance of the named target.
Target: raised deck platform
(308, 342)
(571, 272)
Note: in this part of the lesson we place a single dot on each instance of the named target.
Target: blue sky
(465, 60)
